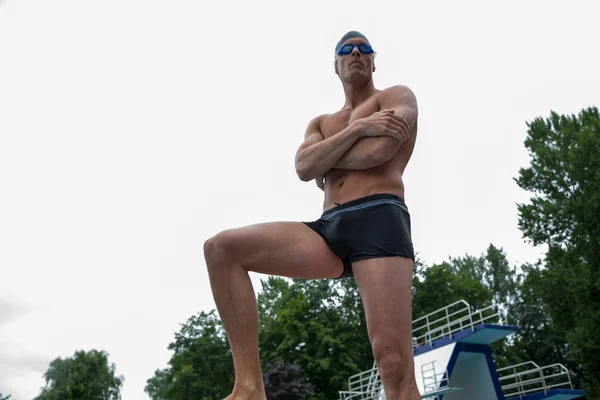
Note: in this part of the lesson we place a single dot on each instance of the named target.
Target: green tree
(502, 279)
(318, 325)
(285, 382)
(480, 281)
(538, 338)
(84, 376)
(201, 367)
(564, 215)
(157, 386)
(4, 398)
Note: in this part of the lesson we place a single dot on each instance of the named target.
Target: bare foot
(260, 396)
(246, 394)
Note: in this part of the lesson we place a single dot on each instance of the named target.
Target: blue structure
(453, 361)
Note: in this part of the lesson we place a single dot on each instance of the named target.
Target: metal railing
(365, 385)
(451, 319)
(432, 381)
(528, 377)
(441, 323)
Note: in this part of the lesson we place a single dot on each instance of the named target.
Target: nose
(355, 51)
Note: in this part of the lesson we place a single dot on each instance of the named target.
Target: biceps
(403, 101)
(409, 113)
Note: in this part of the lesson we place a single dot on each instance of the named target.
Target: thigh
(385, 287)
(289, 249)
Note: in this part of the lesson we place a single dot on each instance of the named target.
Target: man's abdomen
(342, 186)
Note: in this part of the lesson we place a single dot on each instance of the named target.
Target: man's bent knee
(219, 248)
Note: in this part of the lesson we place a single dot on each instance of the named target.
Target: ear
(335, 65)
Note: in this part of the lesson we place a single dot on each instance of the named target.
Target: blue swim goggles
(364, 48)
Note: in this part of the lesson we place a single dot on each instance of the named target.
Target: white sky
(131, 131)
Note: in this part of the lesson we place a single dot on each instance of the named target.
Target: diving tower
(453, 361)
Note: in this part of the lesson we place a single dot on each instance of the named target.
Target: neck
(357, 92)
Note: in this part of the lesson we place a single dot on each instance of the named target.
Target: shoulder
(397, 92)
(314, 125)
(317, 121)
(398, 97)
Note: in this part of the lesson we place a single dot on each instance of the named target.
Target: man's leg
(288, 249)
(385, 286)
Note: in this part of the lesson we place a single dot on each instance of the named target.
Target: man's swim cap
(347, 36)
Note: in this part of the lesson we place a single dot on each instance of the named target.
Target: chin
(357, 76)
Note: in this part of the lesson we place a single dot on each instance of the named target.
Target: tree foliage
(317, 324)
(481, 281)
(84, 376)
(286, 382)
(537, 338)
(564, 215)
(201, 367)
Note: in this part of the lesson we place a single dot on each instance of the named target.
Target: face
(355, 66)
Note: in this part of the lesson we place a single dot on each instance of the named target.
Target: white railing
(451, 319)
(441, 323)
(432, 381)
(365, 385)
(528, 377)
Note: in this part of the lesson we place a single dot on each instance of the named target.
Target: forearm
(319, 158)
(369, 152)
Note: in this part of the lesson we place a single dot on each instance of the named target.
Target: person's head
(354, 58)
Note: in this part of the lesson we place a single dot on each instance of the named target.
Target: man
(357, 156)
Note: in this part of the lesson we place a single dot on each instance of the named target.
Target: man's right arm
(317, 155)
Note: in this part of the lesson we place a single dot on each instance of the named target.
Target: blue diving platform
(553, 394)
(453, 361)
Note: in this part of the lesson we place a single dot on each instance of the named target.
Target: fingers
(391, 113)
(396, 123)
(401, 120)
(398, 127)
(387, 122)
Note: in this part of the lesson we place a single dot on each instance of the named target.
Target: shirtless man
(357, 155)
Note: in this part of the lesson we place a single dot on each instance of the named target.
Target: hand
(384, 123)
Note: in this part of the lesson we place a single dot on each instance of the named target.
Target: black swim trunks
(370, 227)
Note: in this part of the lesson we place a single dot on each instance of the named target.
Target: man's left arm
(370, 152)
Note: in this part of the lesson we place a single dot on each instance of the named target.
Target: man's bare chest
(335, 123)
